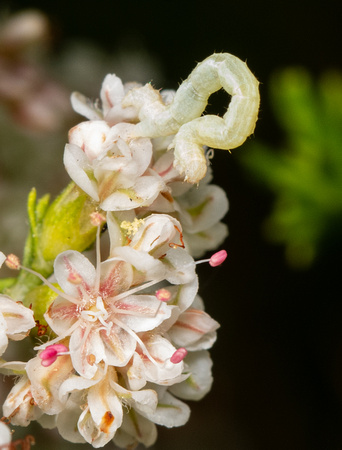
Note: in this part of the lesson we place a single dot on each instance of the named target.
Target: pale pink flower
(109, 311)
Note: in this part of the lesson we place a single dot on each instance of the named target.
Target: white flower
(198, 208)
(109, 311)
(19, 404)
(195, 330)
(112, 93)
(15, 321)
(199, 383)
(110, 167)
(94, 413)
(135, 429)
(170, 411)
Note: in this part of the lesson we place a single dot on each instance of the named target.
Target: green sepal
(63, 225)
(40, 298)
(36, 212)
(32, 258)
(67, 224)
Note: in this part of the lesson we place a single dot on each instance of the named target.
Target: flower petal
(194, 330)
(119, 346)
(78, 167)
(82, 105)
(106, 412)
(162, 370)
(206, 206)
(180, 265)
(67, 421)
(90, 137)
(199, 382)
(142, 312)
(19, 404)
(198, 244)
(71, 264)
(18, 319)
(142, 193)
(155, 234)
(86, 350)
(46, 381)
(135, 428)
(134, 373)
(61, 315)
(170, 411)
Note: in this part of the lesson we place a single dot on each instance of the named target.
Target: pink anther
(218, 258)
(12, 262)
(74, 278)
(163, 295)
(97, 218)
(50, 353)
(178, 355)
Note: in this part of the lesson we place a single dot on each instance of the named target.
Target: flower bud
(67, 223)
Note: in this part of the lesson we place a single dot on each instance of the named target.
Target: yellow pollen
(130, 228)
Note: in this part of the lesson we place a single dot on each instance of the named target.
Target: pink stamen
(218, 258)
(49, 355)
(178, 355)
(163, 295)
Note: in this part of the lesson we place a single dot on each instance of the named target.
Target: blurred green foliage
(306, 173)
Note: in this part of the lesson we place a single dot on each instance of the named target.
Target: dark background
(277, 361)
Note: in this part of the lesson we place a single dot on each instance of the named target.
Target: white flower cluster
(127, 173)
(129, 337)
